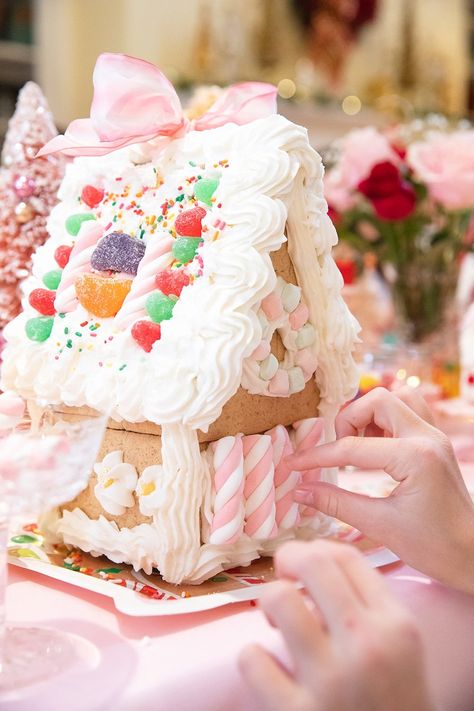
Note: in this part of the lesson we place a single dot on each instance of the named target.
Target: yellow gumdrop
(101, 295)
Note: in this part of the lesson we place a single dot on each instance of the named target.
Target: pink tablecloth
(189, 662)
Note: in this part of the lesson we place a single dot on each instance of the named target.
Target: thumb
(369, 515)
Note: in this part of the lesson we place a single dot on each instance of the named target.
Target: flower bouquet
(407, 194)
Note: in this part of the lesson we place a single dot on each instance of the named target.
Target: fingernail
(303, 495)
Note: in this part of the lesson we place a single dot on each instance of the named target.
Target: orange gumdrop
(101, 295)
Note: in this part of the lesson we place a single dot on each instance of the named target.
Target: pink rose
(444, 162)
(360, 151)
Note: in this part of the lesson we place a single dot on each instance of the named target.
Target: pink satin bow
(134, 102)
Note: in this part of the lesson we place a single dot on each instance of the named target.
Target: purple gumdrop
(118, 252)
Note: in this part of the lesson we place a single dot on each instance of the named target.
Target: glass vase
(423, 293)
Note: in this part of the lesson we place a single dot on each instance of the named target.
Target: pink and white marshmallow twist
(259, 490)
(157, 257)
(286, 480)
(228, 520)
(79, 263)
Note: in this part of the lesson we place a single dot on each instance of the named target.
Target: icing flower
(150, 496)
(445, 163)
(116, 482)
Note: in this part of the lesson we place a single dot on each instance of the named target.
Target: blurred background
(338, 63)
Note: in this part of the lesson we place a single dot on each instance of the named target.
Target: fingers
(271, 685)
(383, 409)
(365, 453)
(324, 579)
(372, 516)
(302, 630)
(415, 402)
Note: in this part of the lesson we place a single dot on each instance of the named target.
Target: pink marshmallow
(280, 383)
(262, 351)
(307, 361)
(272, 306)
(299, 316)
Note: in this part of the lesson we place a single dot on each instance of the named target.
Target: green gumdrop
(39, 328)
(184, 248)
(205, 189)
(51, 279)
(159, 307)
(24, 538)
(74, 222)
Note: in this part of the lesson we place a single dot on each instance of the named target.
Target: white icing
(116, 482)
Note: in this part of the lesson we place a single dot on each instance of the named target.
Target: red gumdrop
(43, 301)
(188, 222)
(146, 333)
(62, 254)
(92, 196)
(171, 282)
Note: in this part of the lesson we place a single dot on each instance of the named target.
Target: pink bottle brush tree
(28, 192)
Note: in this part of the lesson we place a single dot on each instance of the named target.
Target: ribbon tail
(240, 103)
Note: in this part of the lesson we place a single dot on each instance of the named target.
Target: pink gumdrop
(307, 361)
(262, 351)
(280, 383)
(272, 306)
(299, 316)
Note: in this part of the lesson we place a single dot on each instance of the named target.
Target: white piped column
(176, 518)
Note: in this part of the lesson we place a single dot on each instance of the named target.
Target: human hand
(428, 520)
(355, 649)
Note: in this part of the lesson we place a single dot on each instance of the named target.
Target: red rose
(391, 197)
(334, 215)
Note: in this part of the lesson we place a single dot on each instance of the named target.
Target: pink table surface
(190, 662)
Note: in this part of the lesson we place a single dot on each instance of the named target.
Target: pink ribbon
(134, 102)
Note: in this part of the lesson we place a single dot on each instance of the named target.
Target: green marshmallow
(205, 189)
(159, 307)
(74, 222)
(39, 328)
(51, 279)
(184, 249)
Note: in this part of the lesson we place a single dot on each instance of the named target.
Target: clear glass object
(42, 465)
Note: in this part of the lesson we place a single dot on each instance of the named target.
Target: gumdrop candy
(92, 196)
(146, 333)
(74, 222)
(39, 328)
(171, 281)
(188, 222)
(43, 301)
(205, 189)
(62, 254)
(184, 249)
(51, 279)
(159, 307)
(100, 295)
(118, 252)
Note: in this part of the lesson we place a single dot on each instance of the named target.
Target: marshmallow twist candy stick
(259, 490)
(306, 435)
(79, 263)
(287, 510)
(156, 258)
(228, 521)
